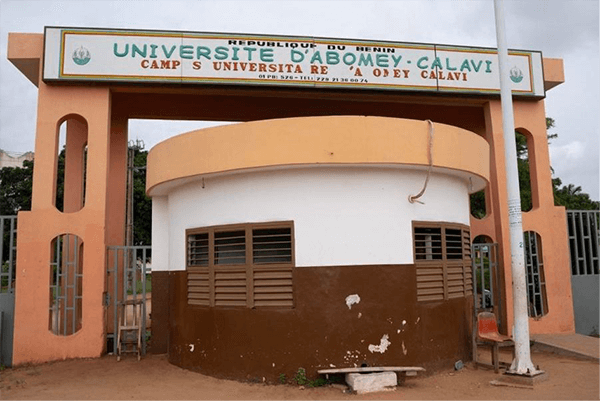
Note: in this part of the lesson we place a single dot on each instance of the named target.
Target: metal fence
(8, 253)
(8, 260)
(584, 243)
(128, 278)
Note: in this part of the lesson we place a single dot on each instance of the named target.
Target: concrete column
(494, 131)
(33, 342)
(548, 221)
(115, 205)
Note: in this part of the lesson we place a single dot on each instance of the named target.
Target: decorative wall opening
(66, 285)
(478, 204)
(443, 261)
(534, 267)
(71, 164)
(524, 140)
(483, 239)
(246, 265)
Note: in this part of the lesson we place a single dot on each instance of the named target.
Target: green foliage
(318, 382)
(572, 197)
(4, 282)
(478, 204)
(486, 275)
(139, 287)
(301, 379)
(142, 204)
(15, 188)
(282, 378)
(524, 182)
(60, 180)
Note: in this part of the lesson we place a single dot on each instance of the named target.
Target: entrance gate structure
(196, 83)
(8, 258)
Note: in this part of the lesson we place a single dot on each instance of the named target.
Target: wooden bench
(401, 371)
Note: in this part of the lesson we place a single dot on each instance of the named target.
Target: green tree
(572, 197)
(142, 204)
(15, 188)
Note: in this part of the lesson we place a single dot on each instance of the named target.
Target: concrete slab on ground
(573, 344)
(371, 382)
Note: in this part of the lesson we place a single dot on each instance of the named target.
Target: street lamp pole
(522, 364)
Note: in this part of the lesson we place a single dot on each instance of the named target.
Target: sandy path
(155, 378)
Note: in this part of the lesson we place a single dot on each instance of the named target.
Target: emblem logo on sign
(516, 75)
(81, 56)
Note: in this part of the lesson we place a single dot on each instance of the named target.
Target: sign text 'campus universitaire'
(74, 54)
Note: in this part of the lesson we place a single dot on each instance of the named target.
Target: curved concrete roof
(316, 141)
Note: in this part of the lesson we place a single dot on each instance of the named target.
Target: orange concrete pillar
(115, 204)
(498, 215)
(545, 218)
(117, 178)
(33, 341)
(548, 221)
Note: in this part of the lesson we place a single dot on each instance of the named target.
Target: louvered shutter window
(272, 245)
(241, 266)
(428, 243)
(442, 260)
(230, 248)
(198, 249)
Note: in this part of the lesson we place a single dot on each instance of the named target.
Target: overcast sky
(559, 28)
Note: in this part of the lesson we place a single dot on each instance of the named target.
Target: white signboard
(77, 54)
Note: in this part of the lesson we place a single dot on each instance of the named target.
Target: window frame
(445, 269)
(283, 271)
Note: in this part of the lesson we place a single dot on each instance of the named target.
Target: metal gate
(128, 278)
(584, 245)
(486, 291)
(8, 260)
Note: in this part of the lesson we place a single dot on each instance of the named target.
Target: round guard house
(292, 243)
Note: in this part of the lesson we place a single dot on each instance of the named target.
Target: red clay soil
(154, 378)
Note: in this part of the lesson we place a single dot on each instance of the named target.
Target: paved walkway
(576, 345)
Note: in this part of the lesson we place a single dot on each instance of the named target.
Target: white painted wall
(342, 215)
(160, 233)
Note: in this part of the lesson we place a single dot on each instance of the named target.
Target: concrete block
(371, 382)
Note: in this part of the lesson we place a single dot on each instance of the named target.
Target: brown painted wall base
(320, 332)
(159, 339)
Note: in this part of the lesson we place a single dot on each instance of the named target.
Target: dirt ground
(154, 378)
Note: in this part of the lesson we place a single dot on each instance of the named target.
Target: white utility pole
(522, 364)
